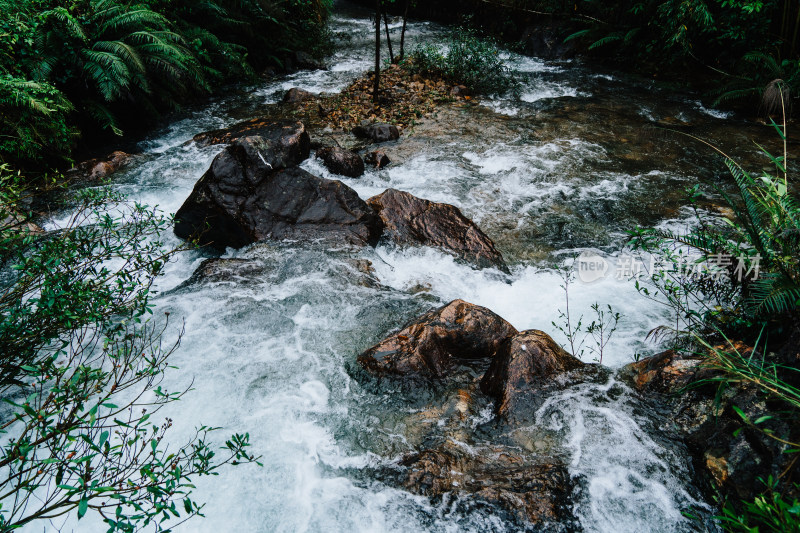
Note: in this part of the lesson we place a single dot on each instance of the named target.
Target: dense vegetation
(740, 279)
(733, 47)
(72, 70)
(469, 60)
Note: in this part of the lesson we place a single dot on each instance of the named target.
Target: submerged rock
(341, 161)
(377, 133)
(286, 132)
(412, 220)
(537, 492)
(524, 362)
(252, 192)
(438, 341)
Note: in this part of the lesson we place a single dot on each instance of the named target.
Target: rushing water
(567, 167)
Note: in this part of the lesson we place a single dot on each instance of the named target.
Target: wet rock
(341, 161)
(438, 341)
(18, 223)
(284, 131)
(674, 123)
(412, 220)
(377, 133)
(728, 451)
(377, 159)
(523, 362)
(535, 492)
(666, 372)
(252, 193)
(97, 169)
(295, 96)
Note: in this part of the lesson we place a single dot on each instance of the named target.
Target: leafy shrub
(81, 371)
(34, 120)
(765, 236)
(94, 65)
(468, 60)
(768, 512)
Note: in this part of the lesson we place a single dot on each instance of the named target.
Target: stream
(567, 167)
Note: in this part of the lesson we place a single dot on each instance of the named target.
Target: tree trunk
(403, 32)
(377, 87)
(388, 38)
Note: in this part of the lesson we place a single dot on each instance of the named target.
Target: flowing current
(565, 168)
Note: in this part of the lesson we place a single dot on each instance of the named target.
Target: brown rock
(535, 492)
(412, 220)
(100, 170)
(285, 131)
(296, 96)
(522, 362)
(439, 340)
(666, 372)
(341, 161)
(377, 159)
(252, 193)
(97, 169)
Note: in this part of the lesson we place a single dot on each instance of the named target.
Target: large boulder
(412, 220)
(341, 161)
(438, 341)
(533, 491)
(377, 133)
(523, 363)
(286, 132)
(253, 192)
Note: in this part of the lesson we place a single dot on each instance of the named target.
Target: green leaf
(83, 506)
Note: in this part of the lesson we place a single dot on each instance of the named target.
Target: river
(567, 167)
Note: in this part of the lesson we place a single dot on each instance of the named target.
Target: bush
(468, 60)
(81, 369)
(763, 242)
(118, 64)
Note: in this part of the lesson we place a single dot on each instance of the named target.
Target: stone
(253, 192)
(341, 161)
(296, 96)
(522, 363)
(416, 221)
(533, 491)
(439, 341)
(460, 91)
(377, 159)
(377, 133)
(285, 131)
